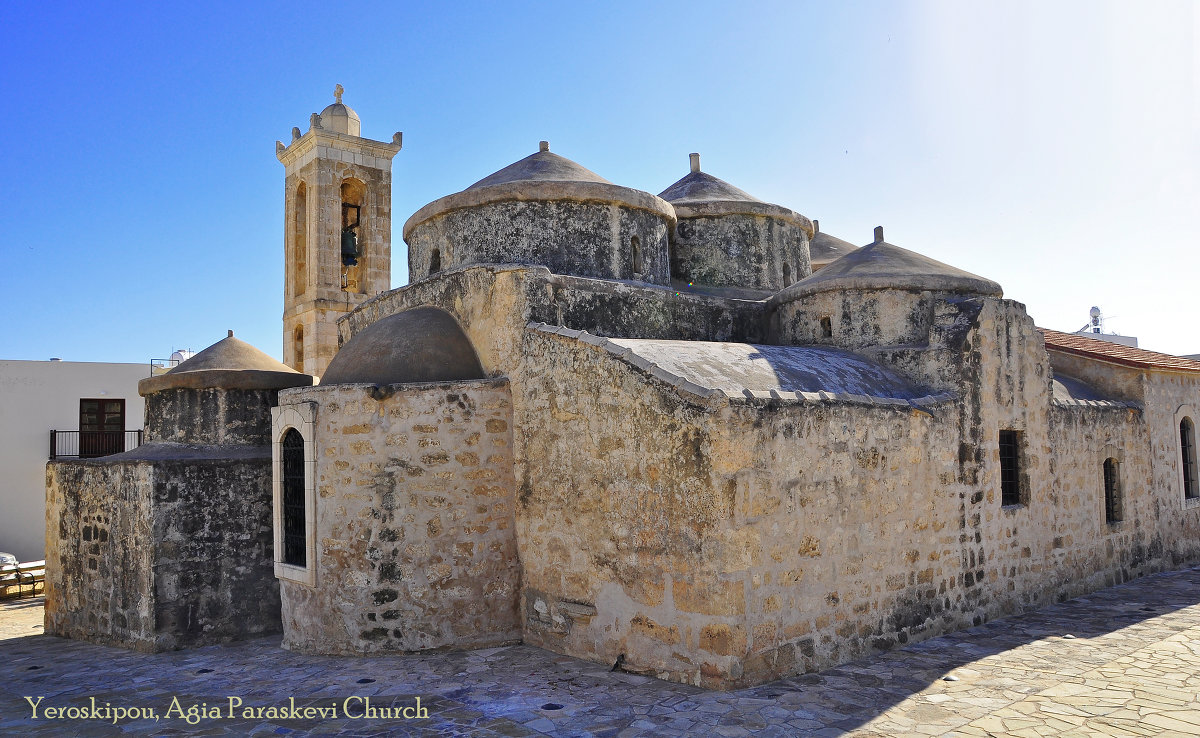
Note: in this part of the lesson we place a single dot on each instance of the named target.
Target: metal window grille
(1187, 442)
(1112, 491)
(1010, 470)
(294, 538)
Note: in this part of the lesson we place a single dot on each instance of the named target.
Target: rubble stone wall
(160, 554)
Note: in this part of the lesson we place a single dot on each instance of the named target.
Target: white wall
(35, 397)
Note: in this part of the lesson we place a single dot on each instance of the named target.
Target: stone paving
(1121, 662)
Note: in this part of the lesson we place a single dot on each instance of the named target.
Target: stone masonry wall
(99, 571)
(160, 554)
(415, 542)
(739, 250)
(209, 416)
(588, 239)
(493, 304)
(625, 540)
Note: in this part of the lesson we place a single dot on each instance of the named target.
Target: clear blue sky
(1051, 146)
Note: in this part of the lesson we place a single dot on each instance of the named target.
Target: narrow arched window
(294, 535)
(300, 242)
(435, 261)
(298, 349)
(1112, 491)
(787, 275)
(1187, 443)
(635, 245)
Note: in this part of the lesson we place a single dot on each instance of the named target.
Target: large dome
(544, 210)
(424, 344)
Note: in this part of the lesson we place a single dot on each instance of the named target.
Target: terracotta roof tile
(1116, 353)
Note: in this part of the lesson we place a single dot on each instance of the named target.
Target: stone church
(689, 435)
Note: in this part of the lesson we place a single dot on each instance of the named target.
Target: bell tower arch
(338, 229)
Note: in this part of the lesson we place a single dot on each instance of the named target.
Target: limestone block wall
(493, 305)
(582, 238)
(739, 250)
(623, 528)
(1170, 396)
(160, 553)
(415, 543)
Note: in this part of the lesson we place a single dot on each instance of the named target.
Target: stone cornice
(292, 152)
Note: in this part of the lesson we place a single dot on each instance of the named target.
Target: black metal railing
(90, 444)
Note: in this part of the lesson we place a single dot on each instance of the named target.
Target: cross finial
(337, 94)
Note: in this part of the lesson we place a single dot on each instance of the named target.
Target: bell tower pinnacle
(337, 229)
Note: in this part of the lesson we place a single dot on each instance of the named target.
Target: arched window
(1112, 491)
(298, 349)
(635, 244)
(300, 242)
(435, 261)
(1187, 443)
(294, 531)
(787, 274)
(354, 237)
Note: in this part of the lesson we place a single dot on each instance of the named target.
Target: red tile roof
(1115, 353)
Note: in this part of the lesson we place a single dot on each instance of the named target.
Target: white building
(36, 397)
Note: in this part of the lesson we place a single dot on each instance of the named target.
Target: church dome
(424, 344)
(725, 237)
(881, 265)
(339, 117)
(549, 211)
(825, 249)
(230, 363)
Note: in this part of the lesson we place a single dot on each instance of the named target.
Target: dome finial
(543, 145)
(695, 162)
(337, 93)
(878, 234)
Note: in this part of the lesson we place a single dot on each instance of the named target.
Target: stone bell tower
(337, 230)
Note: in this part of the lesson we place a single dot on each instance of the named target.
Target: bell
(349, 247)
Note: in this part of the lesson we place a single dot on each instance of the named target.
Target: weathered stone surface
(157, 555)
(210, 416)
(736, 250)
(587, 239)
(414, 528)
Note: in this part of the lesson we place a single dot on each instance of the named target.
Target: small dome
(881, 265)
(699, 194)
(339, 117)
(825, 249)
(230, 363)
(700, 186)
(424, 344)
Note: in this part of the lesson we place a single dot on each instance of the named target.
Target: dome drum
(548, 211)
(744, 250)
(606, 240)
(725, 237)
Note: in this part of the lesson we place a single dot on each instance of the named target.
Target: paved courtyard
(1121, 662)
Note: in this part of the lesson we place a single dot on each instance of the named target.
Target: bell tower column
(337, 230)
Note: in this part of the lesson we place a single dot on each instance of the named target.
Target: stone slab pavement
(1124, 661)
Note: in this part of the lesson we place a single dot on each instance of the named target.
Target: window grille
(1112, 491)
(1010, 470)
(1187, 442)
(294, 534)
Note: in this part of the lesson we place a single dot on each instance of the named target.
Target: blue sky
(1051, 146)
